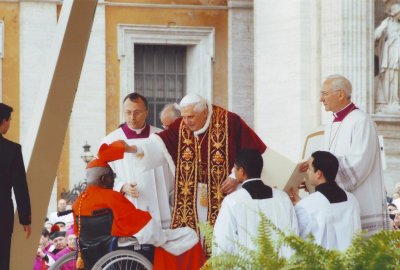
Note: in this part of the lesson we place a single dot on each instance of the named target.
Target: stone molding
(200, 42)
(125, 4)
(163, 6)
(385, 118)
(242, 4)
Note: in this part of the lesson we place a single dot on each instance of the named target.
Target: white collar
(138, 131)
(207, 124)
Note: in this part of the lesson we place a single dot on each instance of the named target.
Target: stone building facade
(262, 59)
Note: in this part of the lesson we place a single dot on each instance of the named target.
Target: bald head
(335, 93)
(169, 114)
(95, 176)
(61, 205)
(339, 82)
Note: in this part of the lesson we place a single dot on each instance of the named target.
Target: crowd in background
(394, 208)
(57, 238)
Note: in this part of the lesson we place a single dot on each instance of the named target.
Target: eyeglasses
(327, 93)
(134, 113)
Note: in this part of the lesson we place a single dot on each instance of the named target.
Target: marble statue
(387, 37)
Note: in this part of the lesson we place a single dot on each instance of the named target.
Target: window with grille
(160, 76)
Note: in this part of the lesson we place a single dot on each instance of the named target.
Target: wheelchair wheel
(123, 260)
(68, 261)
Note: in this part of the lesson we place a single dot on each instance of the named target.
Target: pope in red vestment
(200, 148)
(127, 219)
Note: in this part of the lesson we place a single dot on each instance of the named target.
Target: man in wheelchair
(101, 213)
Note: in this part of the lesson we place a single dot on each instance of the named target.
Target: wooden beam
(43, 148)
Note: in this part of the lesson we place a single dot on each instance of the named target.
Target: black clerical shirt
(332, 192)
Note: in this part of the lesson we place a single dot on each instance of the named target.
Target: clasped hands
(130, 189)
(293, 194)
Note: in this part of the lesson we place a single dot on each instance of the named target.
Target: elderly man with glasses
(352, 137)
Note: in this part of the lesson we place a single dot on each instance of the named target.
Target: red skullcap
(107, 153)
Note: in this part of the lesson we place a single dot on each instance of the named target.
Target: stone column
(286, 73)
(38, 22)
(241, 59)
(88, 118)
(347, 46)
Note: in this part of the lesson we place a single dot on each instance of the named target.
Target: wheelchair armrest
(127, 241)
(114, 244)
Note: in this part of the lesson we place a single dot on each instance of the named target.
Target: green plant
(249, 258)
(380, 251)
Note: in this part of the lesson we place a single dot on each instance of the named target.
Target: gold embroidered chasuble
(189, 171)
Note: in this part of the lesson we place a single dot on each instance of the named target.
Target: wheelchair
(118, 259)
(100, 250)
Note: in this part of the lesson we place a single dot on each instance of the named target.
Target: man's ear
(242, 172)
(106, 182)
(102, 180)
(342, 95)
(319, 174)
(205, 112)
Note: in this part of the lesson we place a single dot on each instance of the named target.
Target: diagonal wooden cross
(50, 120)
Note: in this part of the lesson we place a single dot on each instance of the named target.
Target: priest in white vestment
(62, 214)
(239, 216)
(352, 138)
(150, 190)
(330, 214)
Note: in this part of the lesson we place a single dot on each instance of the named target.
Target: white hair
(339, 82)
(394, 9)
(93, 174)
(172, 110)
(199, 103)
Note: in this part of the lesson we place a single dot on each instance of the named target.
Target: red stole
(214, 155)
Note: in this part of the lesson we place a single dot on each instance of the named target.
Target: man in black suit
(12, 175)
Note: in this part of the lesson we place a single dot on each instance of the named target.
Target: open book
(281, 172)
(285, 174)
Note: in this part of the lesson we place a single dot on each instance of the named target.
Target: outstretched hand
(304, 166)
(128, 148)
(229, 185)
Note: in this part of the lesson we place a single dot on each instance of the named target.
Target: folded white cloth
(127, 241)
(180, 240)
(175, 241)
